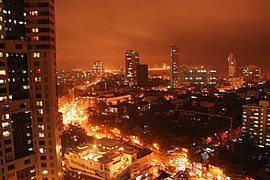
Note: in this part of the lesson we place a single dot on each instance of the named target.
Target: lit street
(172, 163)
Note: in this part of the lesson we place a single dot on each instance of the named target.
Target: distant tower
(131, 61)
(231, 65)
(175, 66)
(97, 69)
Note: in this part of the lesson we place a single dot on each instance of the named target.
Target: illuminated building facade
(107, 159)
(231, 65)
(141, 168)
(30, 143)
(199, 76)
(97, 69)
(175, 66)
(256, 122)
(114, 99)
(252, 73)
(132, 60)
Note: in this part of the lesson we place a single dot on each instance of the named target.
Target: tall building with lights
(256, 122)
(252, 73)
(30, 142)
(132, 60)
(97, 69)
(231, 65)
(175, 66)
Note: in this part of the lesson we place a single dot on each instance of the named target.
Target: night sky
(205, 31)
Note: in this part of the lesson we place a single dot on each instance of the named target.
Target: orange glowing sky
(204, 30)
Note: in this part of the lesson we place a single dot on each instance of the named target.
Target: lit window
(2, 72)
(3, 98)
(26, 87)
(37, 79)
(36, 55)
(41, 135)
(1, 54)
(35, 30)
(40, 111)
(32, 171)
(5, 124)
(6, 133)
(41, 127)
(39, 103)
(35, 38)
(38, 71)
(42, 150)
(33, 13)
(44, 172)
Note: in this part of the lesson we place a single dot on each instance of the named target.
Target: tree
(74, 136)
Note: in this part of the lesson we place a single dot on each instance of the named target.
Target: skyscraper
(175, 66)
(30, 143)
(231, 65)
(132, 59)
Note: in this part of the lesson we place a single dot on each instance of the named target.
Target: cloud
(205, 31)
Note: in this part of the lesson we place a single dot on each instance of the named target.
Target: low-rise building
(105, 160)
(114, 99)
(141, 168)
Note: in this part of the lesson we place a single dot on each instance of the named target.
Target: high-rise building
(97, 69)
(175, 66)
(231, 65)
(132, 59)
(256, 122)
(252, 73)
(142, 74)
(30, 143)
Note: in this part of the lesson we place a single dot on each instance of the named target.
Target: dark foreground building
(142, 74)
(30, 144)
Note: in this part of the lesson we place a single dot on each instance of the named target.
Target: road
(178, 161)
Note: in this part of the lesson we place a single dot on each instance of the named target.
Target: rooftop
(129, 150)
(108, 142)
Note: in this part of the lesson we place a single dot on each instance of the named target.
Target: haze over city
(205, 31)
(134, 90)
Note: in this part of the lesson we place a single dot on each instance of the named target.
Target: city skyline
(178, 119)
(204, 32)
